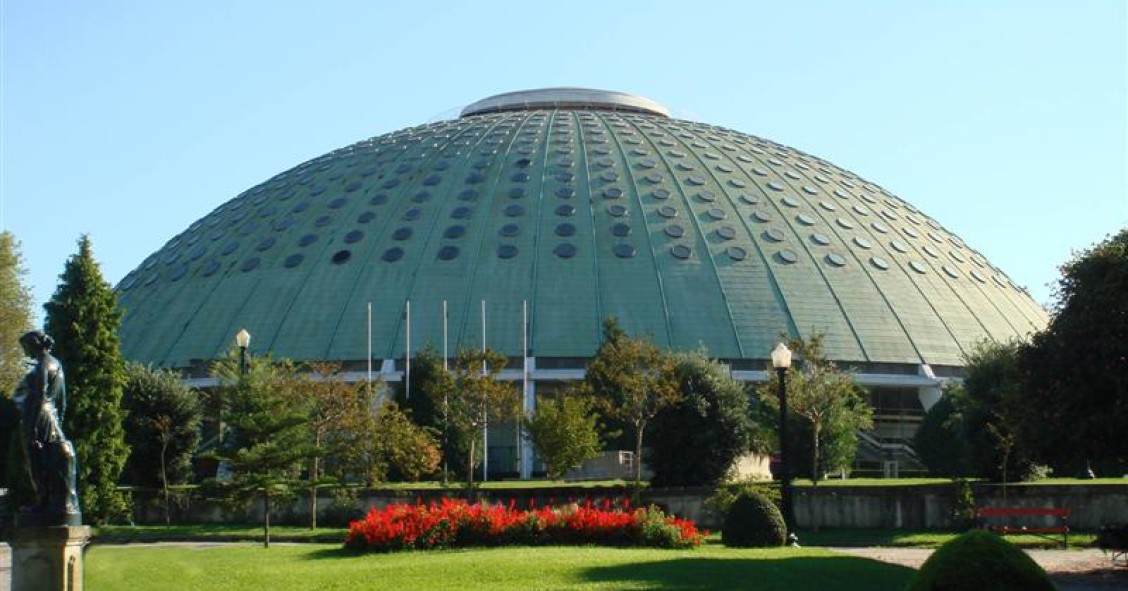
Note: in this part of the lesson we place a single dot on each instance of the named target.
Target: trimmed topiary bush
(978, 560)
(753, 521)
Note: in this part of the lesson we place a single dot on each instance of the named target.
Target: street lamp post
(781, 360)
(243, 340)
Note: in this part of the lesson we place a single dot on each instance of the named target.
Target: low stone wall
(856, 507)
(918, 507)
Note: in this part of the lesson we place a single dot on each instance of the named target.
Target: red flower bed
(454, 523)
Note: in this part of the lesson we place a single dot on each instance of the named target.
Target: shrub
(753, 521)
(456, 523)
(977, 560)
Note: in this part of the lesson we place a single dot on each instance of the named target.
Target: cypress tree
(83, 318)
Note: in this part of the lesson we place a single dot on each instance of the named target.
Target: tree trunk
(164, 479)
(313, 474)
(266, 517)
(815, 453)
(470, 467)
(639, 426)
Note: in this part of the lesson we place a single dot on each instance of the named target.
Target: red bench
(1063, 514)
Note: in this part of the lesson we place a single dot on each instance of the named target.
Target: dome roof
(584, 204)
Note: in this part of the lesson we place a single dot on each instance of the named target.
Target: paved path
(1071, 570)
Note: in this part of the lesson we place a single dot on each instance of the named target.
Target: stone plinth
(48, 558)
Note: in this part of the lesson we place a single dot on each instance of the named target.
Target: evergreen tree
(15, 320)
(267, 439)
(83, 318)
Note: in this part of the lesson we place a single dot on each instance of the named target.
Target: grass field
(327, 567)
(888, 538)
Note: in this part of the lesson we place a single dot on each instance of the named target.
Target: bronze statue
(42, 400)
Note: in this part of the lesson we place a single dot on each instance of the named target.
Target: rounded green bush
(753, 521)
(977, 560)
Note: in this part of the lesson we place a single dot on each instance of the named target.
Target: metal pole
(369, 348)
(485, 419)
(446, 444)
(784, 469)
(407, 355)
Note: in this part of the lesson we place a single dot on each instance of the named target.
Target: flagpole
(485, 422)
(407, 355)
(369, 348)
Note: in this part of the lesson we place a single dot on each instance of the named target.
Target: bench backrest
(999, 511)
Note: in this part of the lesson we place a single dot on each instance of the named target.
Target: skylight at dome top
(583, 204)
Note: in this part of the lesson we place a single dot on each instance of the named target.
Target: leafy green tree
(83, 318)
(634, 380)
(828, 404)
(15, 313)
(991, 404)
(162, 428)
(15, 320)
(267, 438)
(333, 406)
(1075, 373)
(425, 411)
(410, 451)
(940, 441)
(474, 398)
(697, 441)
(564, 429)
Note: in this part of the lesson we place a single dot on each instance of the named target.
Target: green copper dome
(584, 204)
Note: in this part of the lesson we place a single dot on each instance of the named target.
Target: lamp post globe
(243, 340)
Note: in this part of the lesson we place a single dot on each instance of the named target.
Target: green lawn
(326, 567)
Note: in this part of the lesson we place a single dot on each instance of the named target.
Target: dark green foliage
(697, 440)
(1076, 371)
(727, 494)
(753, 521)
(964, 506)
(940, 442)
(162, 428)
(979, 560)
(163, 420)
(991, 406)
(83, 318)
(426, 372)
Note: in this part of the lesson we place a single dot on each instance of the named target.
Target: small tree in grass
(827, 400)
(335, 422)
(564, 429)
(634, 380)
(474, 397)
(162, 428)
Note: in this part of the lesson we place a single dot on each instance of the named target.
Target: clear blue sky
(128, 120)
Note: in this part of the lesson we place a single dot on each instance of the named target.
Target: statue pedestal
(48, 558)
